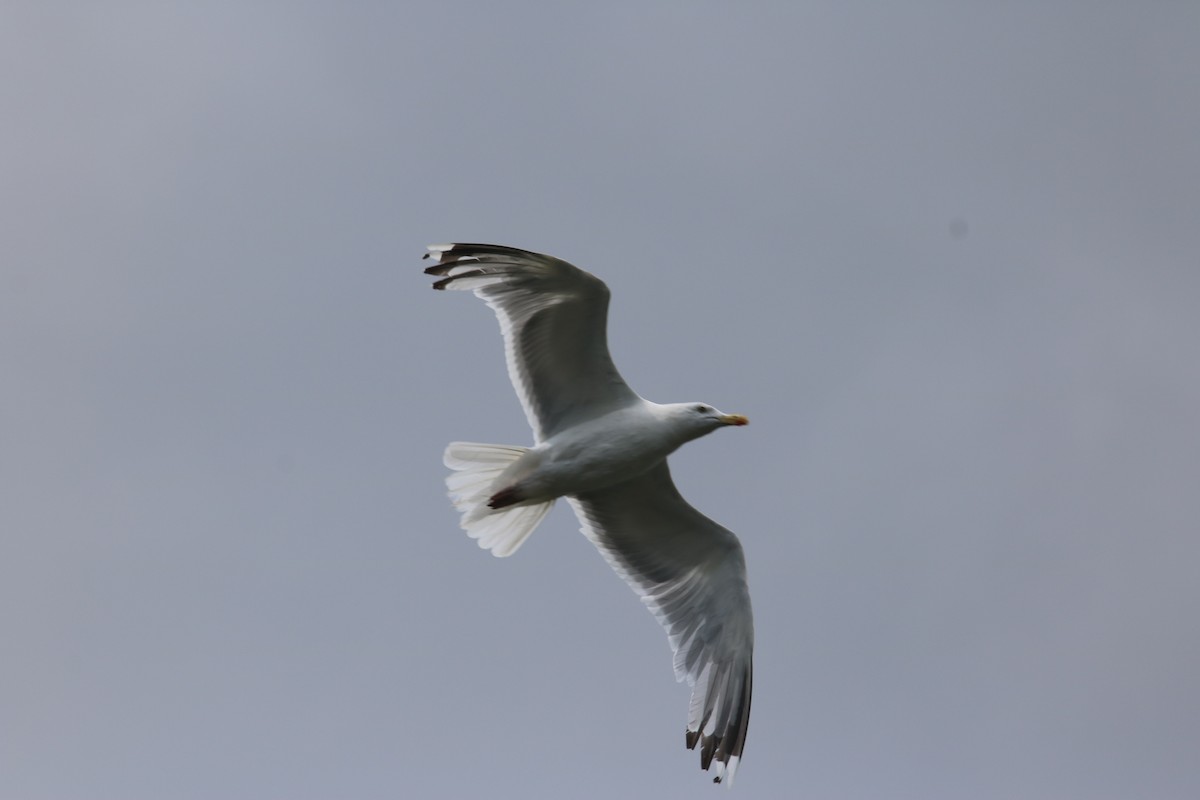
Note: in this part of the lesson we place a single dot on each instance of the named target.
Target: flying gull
(604, 448)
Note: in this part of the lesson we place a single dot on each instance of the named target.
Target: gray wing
(691, 573)
(554, 319)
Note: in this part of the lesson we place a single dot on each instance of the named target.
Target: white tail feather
(476, 468)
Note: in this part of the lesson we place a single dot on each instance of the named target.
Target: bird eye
(703, 409)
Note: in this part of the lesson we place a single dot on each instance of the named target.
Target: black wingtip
(444, 282)
(724, 749)
(441, 268)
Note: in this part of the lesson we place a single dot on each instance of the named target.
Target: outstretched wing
(553, 317)
(691, 573)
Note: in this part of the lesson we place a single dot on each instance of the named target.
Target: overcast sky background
(945, 256)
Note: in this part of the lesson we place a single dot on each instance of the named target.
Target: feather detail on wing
(553, 317)
(690, 572)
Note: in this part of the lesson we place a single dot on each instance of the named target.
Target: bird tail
(472, 484)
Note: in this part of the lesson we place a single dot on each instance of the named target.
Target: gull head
(697, 419)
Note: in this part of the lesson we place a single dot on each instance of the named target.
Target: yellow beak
(734, 419)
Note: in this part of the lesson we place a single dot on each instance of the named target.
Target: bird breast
(600, 453)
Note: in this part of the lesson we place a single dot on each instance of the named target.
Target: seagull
(604, 448)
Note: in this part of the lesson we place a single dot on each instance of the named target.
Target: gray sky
(944, 257)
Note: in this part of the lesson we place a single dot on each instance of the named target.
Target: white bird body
(604, 448)
(608, 450)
